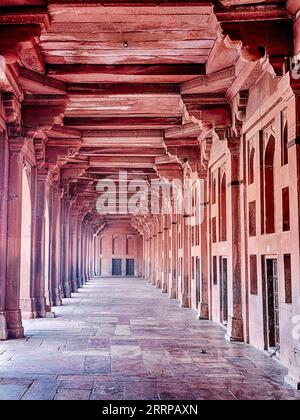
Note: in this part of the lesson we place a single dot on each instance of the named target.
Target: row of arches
(117, 243)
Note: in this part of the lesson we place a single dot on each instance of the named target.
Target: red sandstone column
(4, 164)
(13, 312)
(235, 322)
(87, 252)
(174, 261)
(85, 256)
(186, 237)
(154, 254)
(90, 238)
(146, 259)
(74, 247)
(48, 284)
(56, 248)
(38, 272)
(78, 260)
(203, 309)
(165, 284)
(159, 252)
(66, 249)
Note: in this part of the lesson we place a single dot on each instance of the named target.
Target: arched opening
(251, 166)
(129, 245)
(116, 245)
(47, 255)
(101, 245)
(214, 191)
(284, 144)
(25, 266)
(223, 210)
(269, 186)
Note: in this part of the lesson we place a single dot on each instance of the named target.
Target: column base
(235, 331)
(173, 294)
(67, 291)
(57, 300)
(203, 311)
(80, 282)
(33, 308)
(3, 329)
(14, 324)
(164, 288)
(158, 284)
(74, 286)
(185, 301)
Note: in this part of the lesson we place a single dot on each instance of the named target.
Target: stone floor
(123, 339)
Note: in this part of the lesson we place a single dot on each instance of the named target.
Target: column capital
(16, 144)
(233, 144)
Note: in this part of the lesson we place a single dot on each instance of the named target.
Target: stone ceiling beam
(134, 73)
(122, 122)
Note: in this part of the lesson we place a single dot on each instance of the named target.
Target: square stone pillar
(186, 243)
(159, 254)
(203, 307)
(74, 249)
(38, 303)
(14, 222)
(235, 318)
(165, 283)
(66, 280)
(174, 259)
(78, 267)
(55, 261)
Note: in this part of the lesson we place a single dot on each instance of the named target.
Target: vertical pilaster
(293, 377)
(4, 166)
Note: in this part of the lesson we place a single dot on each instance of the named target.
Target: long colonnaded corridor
(123, 339)
(157, 141)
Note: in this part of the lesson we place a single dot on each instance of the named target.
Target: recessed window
(214, 191)
(223, 210)
(269, 186)
(214, 229)
(288, 278)
(253, 275)
(215, 270)
(284, 140)
(252, 218)
(251, 166)
(285, 209)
